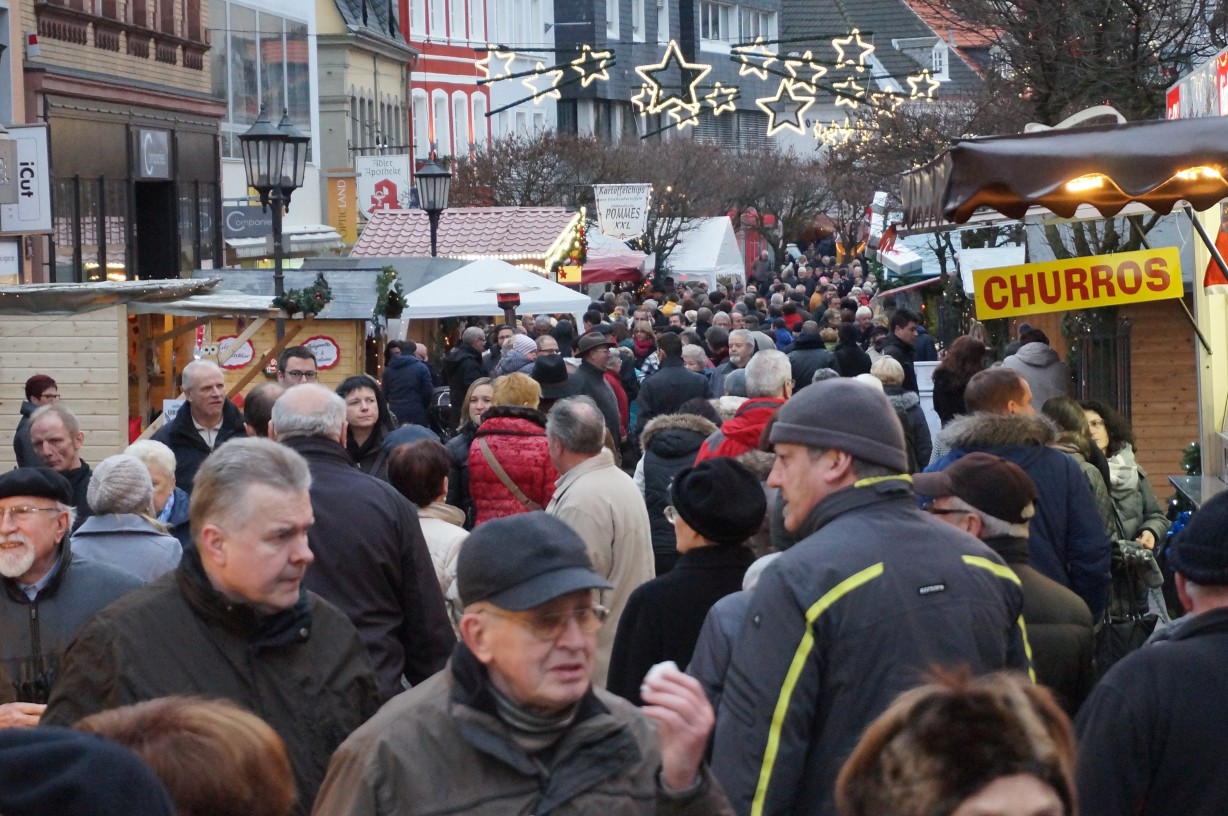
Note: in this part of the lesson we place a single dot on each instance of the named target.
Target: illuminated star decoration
(759, 67)
(887, 100)
(805, 71)
(685, 95)
(684, 117)
(849, 93)
(508, 58)
(721, 99)
(853, 41)
(641, 99)
(552, 90)
(922, 86)
(786, 108)
(835, 133)
(591, 65)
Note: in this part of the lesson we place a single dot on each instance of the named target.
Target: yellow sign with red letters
(1078, 283)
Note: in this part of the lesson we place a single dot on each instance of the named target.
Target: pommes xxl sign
(622, 209)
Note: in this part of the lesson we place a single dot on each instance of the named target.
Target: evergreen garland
(389, 295)
(309, 301)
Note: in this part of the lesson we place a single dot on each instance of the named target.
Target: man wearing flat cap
(875, 593)
(47, 592)
(994, 500)
(1151, 735)
(514, 724)
(593, 350)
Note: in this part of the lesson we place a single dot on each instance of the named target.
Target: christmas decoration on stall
(309, 301)
(574, 250)
(389, 297)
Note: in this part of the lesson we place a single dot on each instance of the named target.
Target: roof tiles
(526, 232)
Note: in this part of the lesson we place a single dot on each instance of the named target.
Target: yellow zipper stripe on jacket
(795, 669)
(1008, 574)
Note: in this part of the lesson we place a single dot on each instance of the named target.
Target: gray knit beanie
(120, 484)
(847, 416)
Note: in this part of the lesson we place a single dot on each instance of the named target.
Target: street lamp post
(434, 185)
(275, 161)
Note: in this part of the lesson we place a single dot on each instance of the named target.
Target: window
(611, 19)
(714, 21)
(480, 131)
(166, 16)
(191, 21)
(938, 61)
(442, 133)
(477, 20)
(662, 21)
(422, 125)
(539, 122)
(140, 14)
(435, 21)
(457, 27)
(522, 123)
(757, 23)
(637, 20)
(417, 17)
(460, 123)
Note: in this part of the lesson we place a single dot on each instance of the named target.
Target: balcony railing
(113, 28)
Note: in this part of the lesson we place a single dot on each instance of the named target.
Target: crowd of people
(699, 554)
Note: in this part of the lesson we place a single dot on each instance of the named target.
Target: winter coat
(908, 408)
(303, 671)
(875, 594)
(444, 531)
(1059, 627)
(948, 395)
(666, 390)
(371, 457)
(23, 448)
(670, 443)
(517, 439)
(190, 448)
(513, 362)
(1151, 734)
(34, 634)
(852, 359)
(1095, 481)
(129, 542)
(717, 385)
(1133, 499)
(79, 480)
(461, 367)
(178, 523)
(902, 353)
(924, 350)
(603, 505)
(1043, 369)
(458, 475)
(620, 397)
(1066, 537)
(442, 750)
(663, 617)
(808, 355)
(589, 380)
(741, 434)
(372, 562)
(408, 388)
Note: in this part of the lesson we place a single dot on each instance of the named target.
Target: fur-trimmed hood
(683, 422)
(985, 430)
(903, 400)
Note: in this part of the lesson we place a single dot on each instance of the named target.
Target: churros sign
(1078, 283)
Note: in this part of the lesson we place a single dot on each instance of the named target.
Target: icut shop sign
(1078, 283)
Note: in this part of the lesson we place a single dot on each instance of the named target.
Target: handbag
(506, 480)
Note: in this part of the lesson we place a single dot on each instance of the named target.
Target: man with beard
(47, 593)
(741, 346)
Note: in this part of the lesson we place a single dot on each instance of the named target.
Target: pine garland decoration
(309, 301)
(389, 295)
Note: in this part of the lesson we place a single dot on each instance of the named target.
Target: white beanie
(120, 484)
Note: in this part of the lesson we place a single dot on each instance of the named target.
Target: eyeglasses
(547, 626)
(25, 512)
(49, 397)
(310, 376)
(671, 514)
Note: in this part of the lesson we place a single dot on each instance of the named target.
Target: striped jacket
(874, 595)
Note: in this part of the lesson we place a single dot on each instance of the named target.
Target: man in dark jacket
(1066, 539)
(46, 593)
(741, 347)
(852, 358)
(206, 421)
(40, 390)
(372, 561)
(670, 443)
(899, 345)
(407, 383)
(670, 385)
(234, 621)
(808, 354)
(874, 594)
(589, 379)
(993, 500)
(57, 438)
(463, 365)
(1151, 734)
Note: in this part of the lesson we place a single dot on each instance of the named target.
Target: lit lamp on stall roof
(507, 295)
(434, 185)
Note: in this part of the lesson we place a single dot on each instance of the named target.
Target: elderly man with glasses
(206, 421)
(47, 593)
(514, 724)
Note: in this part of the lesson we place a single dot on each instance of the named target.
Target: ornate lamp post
(434, 185)
(275, 160)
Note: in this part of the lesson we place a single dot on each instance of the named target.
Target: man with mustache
(233, 620)
(47, 594)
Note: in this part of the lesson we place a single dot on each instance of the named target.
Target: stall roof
(76, 298)
(213, 304)
(353, 290)
(458, 295)
(1154, 163)
(466, 232)
(414, 273)
(708, 250)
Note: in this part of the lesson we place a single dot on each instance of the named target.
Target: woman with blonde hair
(510, 470)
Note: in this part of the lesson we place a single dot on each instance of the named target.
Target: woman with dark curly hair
(964, 358)
(1139, 516)
(369, 421)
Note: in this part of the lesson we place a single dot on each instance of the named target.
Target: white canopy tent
(458, 294)
(708, 250)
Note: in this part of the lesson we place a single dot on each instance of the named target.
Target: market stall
(707, 252)
(466, 293)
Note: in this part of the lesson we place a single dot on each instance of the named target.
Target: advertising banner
(622, 209)
(32, 212)
(343, 205)
(384, 182)
(1078, 283)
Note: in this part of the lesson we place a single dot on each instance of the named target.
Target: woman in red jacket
(510, 470)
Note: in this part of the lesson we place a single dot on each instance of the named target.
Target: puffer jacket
(1133, 498)
(908, 408)
(517, 439)
(1043, 369)
(741, 433)
(1095, 481)
(407, 388)
(441, 749)
(670, 443)
(1066, 537)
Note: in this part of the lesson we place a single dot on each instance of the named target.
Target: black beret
(720, 499)
(36, 481)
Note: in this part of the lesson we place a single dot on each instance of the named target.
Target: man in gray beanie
(874, 594)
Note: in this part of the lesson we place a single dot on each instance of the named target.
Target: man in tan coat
(603, 505)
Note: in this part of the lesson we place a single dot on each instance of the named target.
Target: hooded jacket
(408, 388)
(670, 443)
(1043, 369)
(189, 448)
(852, 359)
(741, 433)
(908, 408)
(1066, 537)
(841, 623)
(516, 436)
(667, 389)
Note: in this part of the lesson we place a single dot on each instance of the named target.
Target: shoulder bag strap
(516, 492)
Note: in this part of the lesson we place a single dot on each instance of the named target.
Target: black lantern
(434, 186)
